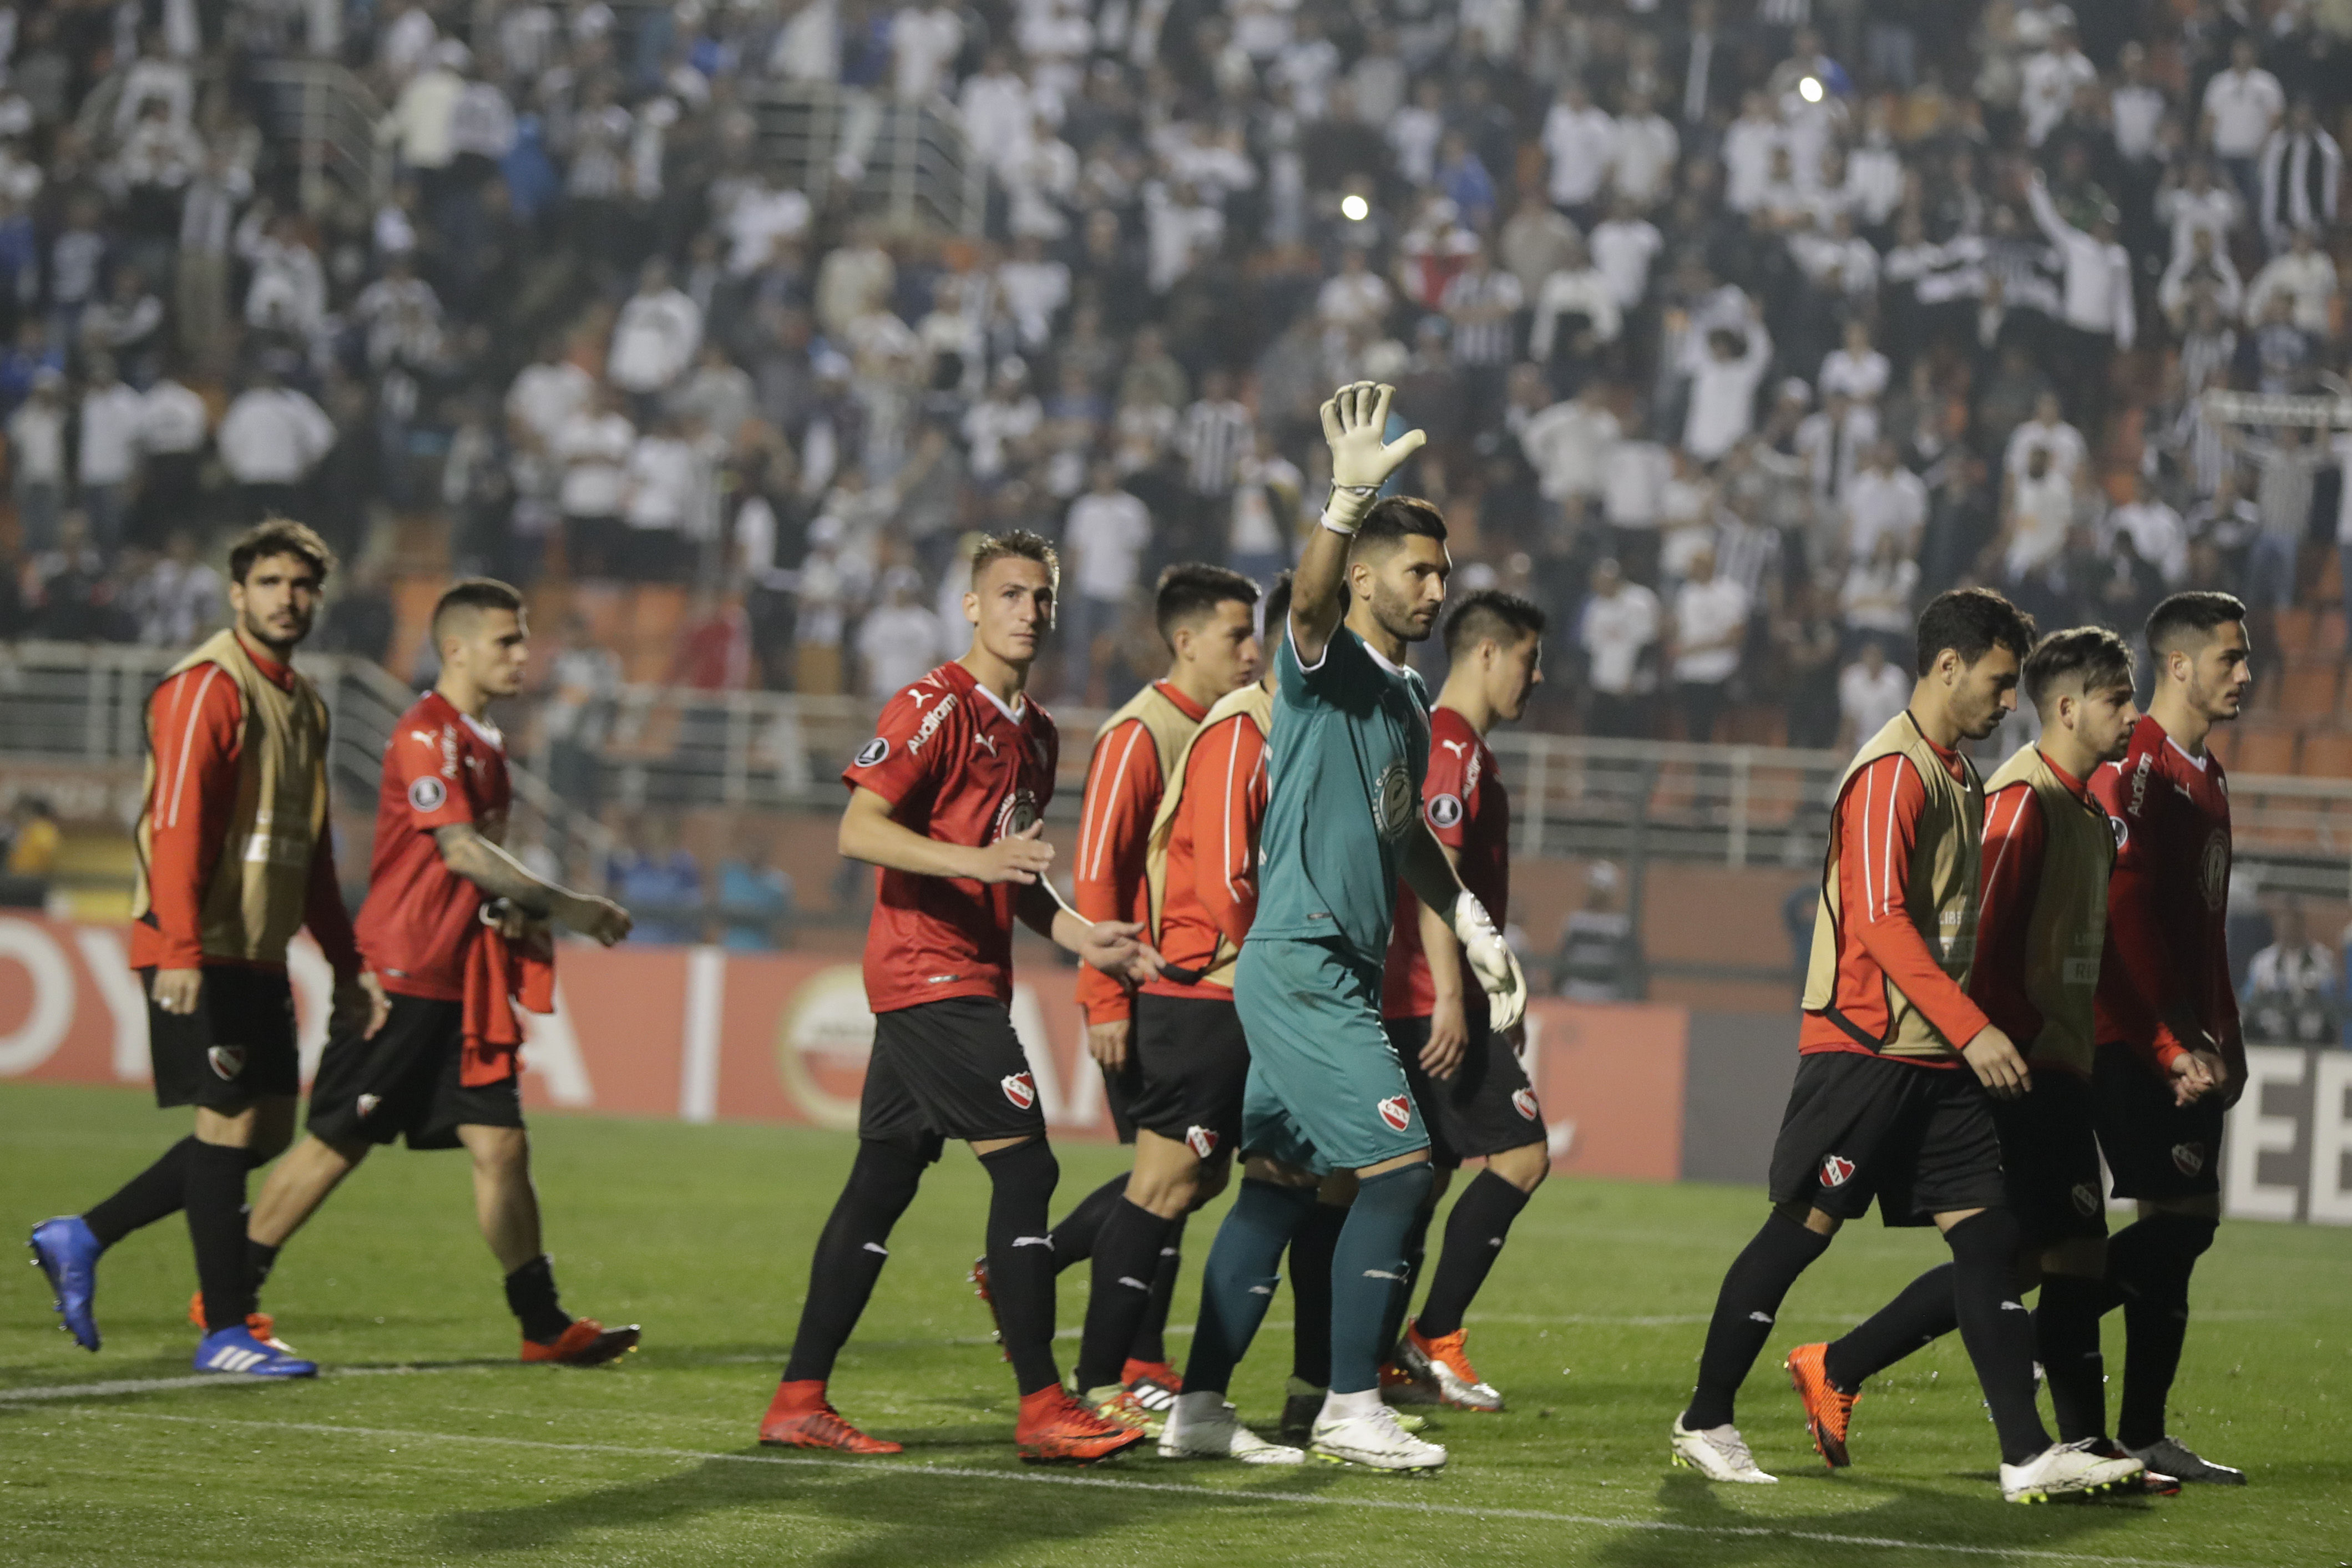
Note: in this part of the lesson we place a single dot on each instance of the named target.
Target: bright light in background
(1355, 209)
(1810, 90)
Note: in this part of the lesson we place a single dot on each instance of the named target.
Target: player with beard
(946, 802)
(1466, 1077)
(1325, 1092)
(2171, 1059)
(234, 857)
(2048, 850)
(457, 930)
(1898, 1067)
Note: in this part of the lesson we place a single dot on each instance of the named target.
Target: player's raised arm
(1362, 461)
(489, 866)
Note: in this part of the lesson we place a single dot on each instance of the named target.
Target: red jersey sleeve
(197, 723)
(2015, 837)
(425, 764)
(901, 758)
(1122, 795)
(2135, 941)
(1225, 791)
(1878, 825)
(330, 923)
(1449, 789)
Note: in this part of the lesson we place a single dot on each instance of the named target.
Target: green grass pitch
(427, 1444)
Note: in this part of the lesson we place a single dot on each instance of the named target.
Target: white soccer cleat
(1376, 1442)
(1192, 1433)
(1720, 1454)
(2065, 1469)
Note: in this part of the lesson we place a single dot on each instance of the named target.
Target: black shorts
(1921, 1140)
(2050, 1154)
(406, 1081)
(2154, 1149)
(1122, 1085)
(953, 1068)
(236, 1047)
(1192, 1063)
(1483, 1109)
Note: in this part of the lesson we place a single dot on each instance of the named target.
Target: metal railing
(331, 118)
(911, 164)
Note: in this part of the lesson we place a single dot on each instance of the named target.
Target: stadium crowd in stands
(1737, 329)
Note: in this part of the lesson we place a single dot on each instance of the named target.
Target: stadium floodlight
(1355, 208)
(1810, 90)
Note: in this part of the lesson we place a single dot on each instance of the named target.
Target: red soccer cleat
(586, 1342)
(1055, 1429)
(800, 1416)
(261, 1325)
(1829, 1410)
(979, 1278)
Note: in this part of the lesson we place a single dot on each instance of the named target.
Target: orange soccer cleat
(1057, 1429)
(261, 1325)
(1829, 1409)
(979, 1278)
(586, 1342)
(1443, 1364)
(801, 1416)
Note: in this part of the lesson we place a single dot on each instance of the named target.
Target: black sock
(1475, 1233)
(1021, 1258)
(215, 1206)
(1752, 1289)
(1997, 1329)
(1310, 1295)
(2155, 1317)
(2067, 1337)
(1416, 1256)
(259, 1260)
(155, 1192)
(850, 1253)
(531, 1296)
(1074, 1238)
(1151, 1335)
(1923, 1312)
(1127, 1260)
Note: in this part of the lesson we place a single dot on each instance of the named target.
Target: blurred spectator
(1598, 959)
(34, 836)
(1105, 537)
(180, 598)
(755, 898)
(270, 440)
(1618, 632)
(1870, 693)
(659, 882)
(1710, 626)
(36, 461)
(108, 431)
(2293, 986)
(900, 641)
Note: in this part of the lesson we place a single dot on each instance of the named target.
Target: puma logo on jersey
(986, 743)
(1456, 747)
(1020, 1088)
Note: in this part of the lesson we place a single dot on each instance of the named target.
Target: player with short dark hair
(1466, 1077)
(1325, 1092)
(2171, 1058)
(1882, 1108)
(457, 931)
(946, 802)
(235, 857)
(1133, 1226)
(2041, 930)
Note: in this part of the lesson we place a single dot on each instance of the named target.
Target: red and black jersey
(2168, 901)
(958, 766)
(421, 920)
(1464, 801)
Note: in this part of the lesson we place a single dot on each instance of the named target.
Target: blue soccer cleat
(67, 1253)
(237, 1350)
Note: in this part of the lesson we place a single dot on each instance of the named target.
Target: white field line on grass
(1353, 1499)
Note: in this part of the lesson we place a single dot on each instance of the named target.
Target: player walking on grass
(947, 801)
(234, 857)
(1898, 1067)
(2043, 927)
(1324, 1092)
(1465, 1077)
(1134, 1227)
(2171, 1060)
(457, 931)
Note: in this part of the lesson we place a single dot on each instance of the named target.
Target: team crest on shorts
(1397, 1111)
(1201, 1140)
(2086, 1199)
(227, 1060)
(2188, 1158)
(1836, 1169)
(367, 1103)
(1523, 1100)
(1020, 1088)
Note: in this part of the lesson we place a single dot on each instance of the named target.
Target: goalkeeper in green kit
(1326, 1094)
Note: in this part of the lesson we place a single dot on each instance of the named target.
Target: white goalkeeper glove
(1355, 421)
(1491, 960)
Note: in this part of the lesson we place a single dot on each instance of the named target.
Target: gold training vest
(253, 902)
(2068, 928)
(1941, 894)
(1171, 730)
(1258, 703)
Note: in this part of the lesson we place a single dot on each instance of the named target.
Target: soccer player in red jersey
(1466, 1078)
(2171, 1060)
(457, 929)
(1133, 1228)
(947, 802)
(235, 856)
(1204, 614)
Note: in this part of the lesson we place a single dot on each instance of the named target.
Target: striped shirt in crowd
(1213, 439)
(1492, 342)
